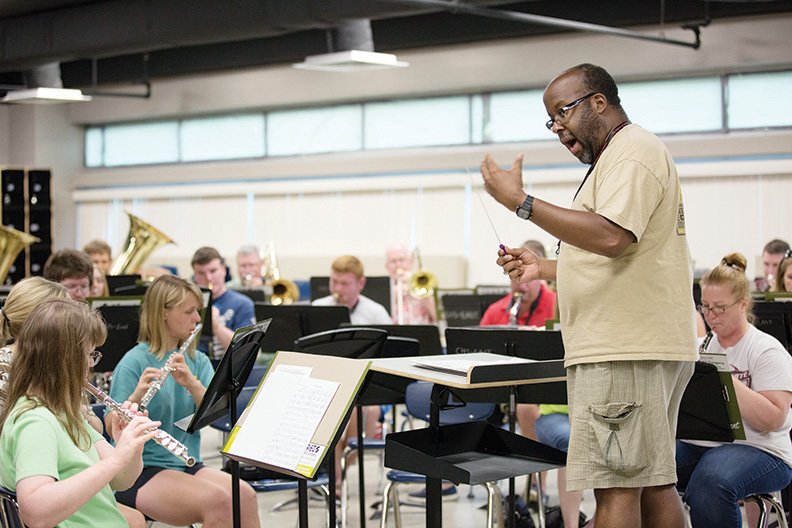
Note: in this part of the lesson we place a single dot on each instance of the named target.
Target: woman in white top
(714, 475)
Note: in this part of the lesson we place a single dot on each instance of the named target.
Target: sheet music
(279, 428)
(462, 366)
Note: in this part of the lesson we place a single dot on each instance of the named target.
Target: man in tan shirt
(625, 298)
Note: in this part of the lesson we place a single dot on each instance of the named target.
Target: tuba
(284, 291)
(11, 243)
(142, 239)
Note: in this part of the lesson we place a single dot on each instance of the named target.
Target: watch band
(525, 211)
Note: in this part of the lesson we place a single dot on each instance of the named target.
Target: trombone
(284, 291)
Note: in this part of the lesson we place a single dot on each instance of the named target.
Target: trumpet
(156, 385)
(173, 446)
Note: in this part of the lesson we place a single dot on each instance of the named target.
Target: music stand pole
(235, 500)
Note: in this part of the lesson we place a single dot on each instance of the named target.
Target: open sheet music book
(460, 365)
(297, 413)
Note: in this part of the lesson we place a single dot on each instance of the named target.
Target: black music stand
(466, 309)
(124, 282)
(775, 318)
(527, 344)
(427, 335)
(353, 343)
(294, 321)
(122, 318)
(221, 395)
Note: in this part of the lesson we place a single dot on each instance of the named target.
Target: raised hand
(505, 186)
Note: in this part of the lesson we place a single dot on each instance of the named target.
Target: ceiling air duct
(355, 43)
(44, 86)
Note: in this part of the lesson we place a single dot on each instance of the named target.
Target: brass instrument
(284, 291)
(11, 243)
(514, 310)
(142, 239)
(423, 284)
(173, 446)
(166, 369)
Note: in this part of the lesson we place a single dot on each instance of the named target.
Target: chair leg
(494, 505)
(396, 505)
(757, 499)
(344, 486)
(540, 508)
(385, 504)
(776, 507)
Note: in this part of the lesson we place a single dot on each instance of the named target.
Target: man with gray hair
(248, 262)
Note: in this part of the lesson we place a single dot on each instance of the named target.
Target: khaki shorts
(624, 417)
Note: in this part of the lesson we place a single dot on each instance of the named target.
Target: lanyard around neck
(612, 133)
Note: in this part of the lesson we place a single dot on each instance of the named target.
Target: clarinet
(173, 446)
(705, 343)
(156, 385)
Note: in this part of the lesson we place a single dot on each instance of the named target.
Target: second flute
(156, 385)
(164, 439)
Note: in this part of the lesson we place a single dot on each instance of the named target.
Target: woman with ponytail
(716, 475)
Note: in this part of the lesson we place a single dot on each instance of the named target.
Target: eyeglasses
(715, 310)
(95, 356)
(561, 113)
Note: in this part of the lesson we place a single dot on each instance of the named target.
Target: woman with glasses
(62, 470)
(716, 475)
(167, 490)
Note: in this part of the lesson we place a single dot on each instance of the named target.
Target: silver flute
(164, 439)
(156, 385)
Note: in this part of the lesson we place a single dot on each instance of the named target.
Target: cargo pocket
(618, 434)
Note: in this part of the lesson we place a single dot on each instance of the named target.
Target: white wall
(317, 207)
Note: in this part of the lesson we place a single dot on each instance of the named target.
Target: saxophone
(156, 385)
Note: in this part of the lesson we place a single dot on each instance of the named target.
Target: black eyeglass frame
(96, 357)
(715, 310)
(560, 114)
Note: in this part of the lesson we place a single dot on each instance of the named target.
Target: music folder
(297, 413)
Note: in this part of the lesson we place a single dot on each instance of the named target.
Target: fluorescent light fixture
(44, 96)
(351, 61)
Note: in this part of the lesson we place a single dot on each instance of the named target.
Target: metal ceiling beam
(456, 6)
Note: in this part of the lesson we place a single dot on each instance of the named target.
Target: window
(417, 122)
(759, 100)
(314, 130)
(225, 137)
(140, 144)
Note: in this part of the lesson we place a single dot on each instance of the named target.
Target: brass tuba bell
(142, 239)
(11, 243)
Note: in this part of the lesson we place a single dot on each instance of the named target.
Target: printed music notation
(280, 432)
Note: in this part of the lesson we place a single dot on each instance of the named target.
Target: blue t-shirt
(173, 402)
(237, 310)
